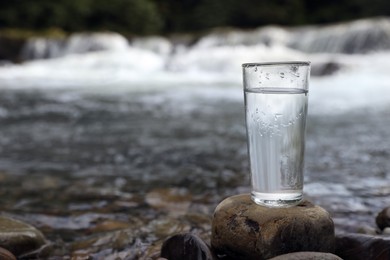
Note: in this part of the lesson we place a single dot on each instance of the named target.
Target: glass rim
(276, 63)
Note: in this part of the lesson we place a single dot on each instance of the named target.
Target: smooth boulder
(242, 229)
(19, 237)
(307, 256)
(362, 247)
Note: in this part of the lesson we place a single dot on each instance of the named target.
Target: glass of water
(276, 96)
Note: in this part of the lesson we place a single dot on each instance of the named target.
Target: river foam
(211, 67)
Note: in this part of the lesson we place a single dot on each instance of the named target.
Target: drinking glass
(276, 97)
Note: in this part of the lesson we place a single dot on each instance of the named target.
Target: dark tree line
(168, 16)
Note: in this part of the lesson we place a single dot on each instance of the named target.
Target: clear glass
(276, 96)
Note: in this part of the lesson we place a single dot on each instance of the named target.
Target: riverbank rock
(6, 255)
(10, 48)
(325, 68)
(186, 246)
(307, 256)
(20, 238)
(362, 247)
(242, 229)
(383, 218)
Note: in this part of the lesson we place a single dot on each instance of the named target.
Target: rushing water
(110, 152)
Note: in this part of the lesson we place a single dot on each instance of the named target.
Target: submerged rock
(20, 238)
(362, 247)
(325, 68)
(186, 246)
(174, 201)
(242, 229)
(383, 218)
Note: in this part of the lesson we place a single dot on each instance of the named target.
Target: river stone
(362, 247)
(186, 246)
(307, 256)
(383, 218)
(6, 255)
(242, 229)
(18, 237)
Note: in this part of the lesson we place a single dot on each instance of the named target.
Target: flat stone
(307, 256)
(242, 229)
(18, 237)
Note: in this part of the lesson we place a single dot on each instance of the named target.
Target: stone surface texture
(186, 246)
(18, 237)
(307, 256)
(362, 247)
(383, 218)
(242, 229)
(6, 255)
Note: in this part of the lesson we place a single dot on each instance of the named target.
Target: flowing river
(110, 152)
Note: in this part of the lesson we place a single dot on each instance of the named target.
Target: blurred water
(94, 134)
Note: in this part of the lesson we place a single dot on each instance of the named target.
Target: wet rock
(362, 247)
(307, 256)
(186, 246)
(6, 255)
(173, 200)
(325, 68)
(110, 225)
(383, 218)
(386, 231)
(10, 48)
(243, 230)
(20, 238)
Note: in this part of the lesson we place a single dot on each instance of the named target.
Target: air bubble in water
(294, 71)
(277, 116)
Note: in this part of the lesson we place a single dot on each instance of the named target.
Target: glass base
(277, 200)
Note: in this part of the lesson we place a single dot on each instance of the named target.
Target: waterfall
(43, 48)
(360, 36)
(215, 56)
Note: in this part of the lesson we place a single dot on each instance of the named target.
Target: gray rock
(19, 238)
(385, 232)
(186, 246)
(383, 218)
(307, 256)
(362, 247)
(242, 229)
(325, 68)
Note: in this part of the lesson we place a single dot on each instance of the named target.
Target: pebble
(174, 201)
(307, 256)
(386, 231)
(383, 218)
(6, 255)
(362, 247)
(20, 238)
(186, 246)
(242, 229)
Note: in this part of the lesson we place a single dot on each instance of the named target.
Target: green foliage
(166, 16)
(130, 16)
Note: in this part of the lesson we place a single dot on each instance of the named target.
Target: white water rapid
(359, 52)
